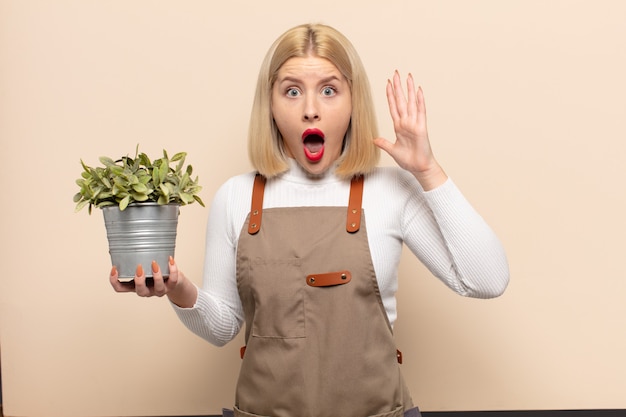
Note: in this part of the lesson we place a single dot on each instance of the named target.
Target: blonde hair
(265, 144)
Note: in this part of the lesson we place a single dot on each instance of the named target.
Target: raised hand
(411, 150)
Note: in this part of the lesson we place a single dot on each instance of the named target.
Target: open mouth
(313, 143)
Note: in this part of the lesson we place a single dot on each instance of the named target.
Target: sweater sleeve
(454, 242)
(217, 315)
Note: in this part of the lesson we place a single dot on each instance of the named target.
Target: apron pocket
(239, 413)
(398, 412)
(277, 286)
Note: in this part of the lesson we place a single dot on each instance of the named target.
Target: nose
(311, 111)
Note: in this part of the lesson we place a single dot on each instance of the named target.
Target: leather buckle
(328, 279)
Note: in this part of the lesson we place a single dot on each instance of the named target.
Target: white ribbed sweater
(439, 227)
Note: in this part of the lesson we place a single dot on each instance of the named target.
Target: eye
(293, 92)
(328, 91)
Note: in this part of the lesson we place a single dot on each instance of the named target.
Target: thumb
(384, 144)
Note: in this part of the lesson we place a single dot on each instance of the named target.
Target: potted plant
(140, 201)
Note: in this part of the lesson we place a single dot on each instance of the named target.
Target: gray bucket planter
(142, 233)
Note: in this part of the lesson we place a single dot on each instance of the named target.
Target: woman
(305, 250)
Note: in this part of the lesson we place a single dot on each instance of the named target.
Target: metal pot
(143, 232)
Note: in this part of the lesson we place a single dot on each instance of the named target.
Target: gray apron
(318, 340)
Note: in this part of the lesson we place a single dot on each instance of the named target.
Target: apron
(318, 340)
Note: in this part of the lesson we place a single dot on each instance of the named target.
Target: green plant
(135, 180)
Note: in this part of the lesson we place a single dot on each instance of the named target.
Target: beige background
(526, 102)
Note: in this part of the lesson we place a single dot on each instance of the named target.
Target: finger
(159, 288)
(421, 102)
(413, 101)
(384, 144)
(391, 101)
(141, 288)
(399, 94)
(116, 284)
(113, 276)
(421, 108)
(175, 274)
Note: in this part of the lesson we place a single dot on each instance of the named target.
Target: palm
(411, 150)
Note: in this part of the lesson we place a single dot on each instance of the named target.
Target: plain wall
(526, 106)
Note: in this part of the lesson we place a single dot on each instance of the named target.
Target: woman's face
(312, 106)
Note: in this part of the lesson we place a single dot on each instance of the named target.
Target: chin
(317, 168)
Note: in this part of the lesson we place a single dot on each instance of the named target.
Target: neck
(298, 173)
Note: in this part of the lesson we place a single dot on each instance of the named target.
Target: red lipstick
(313, 144)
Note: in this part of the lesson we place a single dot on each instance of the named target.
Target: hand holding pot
(179, 290)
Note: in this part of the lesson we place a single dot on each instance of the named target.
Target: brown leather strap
(353, 223)
(329, 279)
(256, 209)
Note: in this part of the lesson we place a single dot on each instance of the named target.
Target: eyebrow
(297, 80)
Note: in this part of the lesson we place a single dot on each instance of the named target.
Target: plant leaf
(116, 170)
(145, 161)
(163, 169)
(81, 205)
(187, 198)
(139, 196)
(106, 161)
(165, 191)
(179, 156)
(140, 188)
(199, 200)
(124, 203)
(184, 181)
(156, 178)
